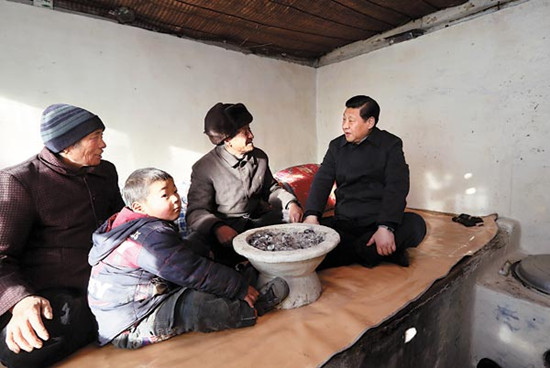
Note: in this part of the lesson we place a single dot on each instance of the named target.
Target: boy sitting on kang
(148, 284)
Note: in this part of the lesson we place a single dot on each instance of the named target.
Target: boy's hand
(251, 296)
(26, 323)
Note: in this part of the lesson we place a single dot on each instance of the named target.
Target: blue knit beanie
(63, 125)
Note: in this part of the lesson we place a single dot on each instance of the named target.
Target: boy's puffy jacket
(137, 262)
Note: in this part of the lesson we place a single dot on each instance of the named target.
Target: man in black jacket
(372, 183)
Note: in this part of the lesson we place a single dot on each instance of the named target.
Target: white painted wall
(151, 90)
(470, 103)
(467, 99)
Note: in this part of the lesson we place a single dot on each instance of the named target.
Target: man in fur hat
(232, 188)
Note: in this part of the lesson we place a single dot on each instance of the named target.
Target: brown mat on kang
(354, 299)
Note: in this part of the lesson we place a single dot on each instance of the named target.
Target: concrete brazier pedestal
(296, 267)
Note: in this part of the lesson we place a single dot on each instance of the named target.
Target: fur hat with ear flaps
(224, 120)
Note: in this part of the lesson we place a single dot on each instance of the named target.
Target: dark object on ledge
(468, 220)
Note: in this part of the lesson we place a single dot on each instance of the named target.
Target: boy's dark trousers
(353, 239)
(187, 310)
(72, 327)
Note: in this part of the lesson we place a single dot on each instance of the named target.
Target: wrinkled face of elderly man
(74, 133)
(87, 151)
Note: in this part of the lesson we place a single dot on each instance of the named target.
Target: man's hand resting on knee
(384, 240)
(25, 328)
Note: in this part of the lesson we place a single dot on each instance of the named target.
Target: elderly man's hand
(25, 328)
(385, 241)
(295, 212)
(311, 219)
(225, 234)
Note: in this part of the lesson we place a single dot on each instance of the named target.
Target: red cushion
(298, 179)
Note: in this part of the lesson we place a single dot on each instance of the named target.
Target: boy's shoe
(271, 295)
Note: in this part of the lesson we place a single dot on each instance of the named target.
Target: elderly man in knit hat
(232, 188)
(49, 207)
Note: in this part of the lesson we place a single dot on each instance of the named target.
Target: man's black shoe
(399, 257)
(271, 295)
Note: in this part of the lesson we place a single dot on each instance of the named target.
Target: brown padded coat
(48, 213)
(224, 187)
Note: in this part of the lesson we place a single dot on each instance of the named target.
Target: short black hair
(369, 107)
(136, 187)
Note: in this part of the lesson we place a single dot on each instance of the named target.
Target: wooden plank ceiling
(300, 30)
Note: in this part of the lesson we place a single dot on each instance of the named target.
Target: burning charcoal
(289, 240)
